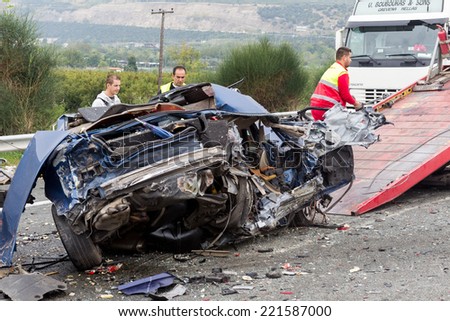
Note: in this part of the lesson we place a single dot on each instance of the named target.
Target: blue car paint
(23, 181)
(232, 101)
(148, 285)
(81, 147)
(44, 143)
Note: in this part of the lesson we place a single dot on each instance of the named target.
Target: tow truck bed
(416, 146)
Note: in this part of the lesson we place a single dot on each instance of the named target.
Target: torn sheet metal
(147, 285)
(162, 295)
(29, 287)
(40, 147)
(214, 170)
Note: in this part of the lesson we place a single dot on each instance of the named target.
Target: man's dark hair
(341, 52)
(111, 77)
(178, 67)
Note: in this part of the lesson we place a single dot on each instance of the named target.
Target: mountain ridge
(319, 19)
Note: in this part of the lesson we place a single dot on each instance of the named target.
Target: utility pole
(161, 42)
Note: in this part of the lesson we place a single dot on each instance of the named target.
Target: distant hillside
(300, 18)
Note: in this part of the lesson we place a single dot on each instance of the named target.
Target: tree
(187, 56)
(94, 58)
(26, 82)
(72, 57)
(131, 66)
(273, 75)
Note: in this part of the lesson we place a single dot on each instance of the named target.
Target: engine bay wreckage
(199, 167)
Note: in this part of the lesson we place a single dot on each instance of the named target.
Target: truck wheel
(82, 251)
(440, 178)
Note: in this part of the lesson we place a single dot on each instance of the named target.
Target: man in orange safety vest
(333, 87)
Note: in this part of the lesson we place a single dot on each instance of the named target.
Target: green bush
(273, 75)
(26, 80)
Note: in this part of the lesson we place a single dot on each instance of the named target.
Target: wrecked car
(199, 167)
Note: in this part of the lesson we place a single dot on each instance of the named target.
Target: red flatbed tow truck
(414, 147)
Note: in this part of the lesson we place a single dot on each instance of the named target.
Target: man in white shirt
(108, 97)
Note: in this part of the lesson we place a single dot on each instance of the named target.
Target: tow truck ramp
(414, 147)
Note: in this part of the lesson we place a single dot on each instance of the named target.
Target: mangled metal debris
(29, 287)
(149, 285)
(196, 168)
(168, 293)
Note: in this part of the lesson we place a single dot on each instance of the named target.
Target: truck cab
(394, 44)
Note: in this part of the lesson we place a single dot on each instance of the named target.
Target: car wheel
(306, 216)
(82, 251)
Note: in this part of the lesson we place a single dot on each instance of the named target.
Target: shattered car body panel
(198, 167)
(21, 186)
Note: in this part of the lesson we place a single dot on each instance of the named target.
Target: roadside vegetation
(40, 82)
(273, 75)
(27, 83)
(11, 158)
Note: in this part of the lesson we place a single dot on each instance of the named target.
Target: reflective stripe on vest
(326, 98)
(329, 84)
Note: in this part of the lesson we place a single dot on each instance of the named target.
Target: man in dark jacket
(178, 76)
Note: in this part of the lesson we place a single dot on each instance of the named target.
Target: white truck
(394, 43)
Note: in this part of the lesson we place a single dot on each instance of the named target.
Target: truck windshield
(393, 46)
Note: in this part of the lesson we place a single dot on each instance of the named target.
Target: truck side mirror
(339, 39)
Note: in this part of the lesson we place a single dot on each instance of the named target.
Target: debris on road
(105, 269)
(228, 291)
(242, 287)
(149, 285)
(164, 295)
(273, 275)
(217, 253)
(344, 227)
(355, 269)
(29, 287)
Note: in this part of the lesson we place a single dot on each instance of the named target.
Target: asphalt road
(400, 251)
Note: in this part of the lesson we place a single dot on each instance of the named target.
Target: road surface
(400, 251)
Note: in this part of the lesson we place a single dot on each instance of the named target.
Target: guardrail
(286, 113)
(14, 142)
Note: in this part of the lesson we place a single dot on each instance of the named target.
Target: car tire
(305, 217)
(82, 251)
